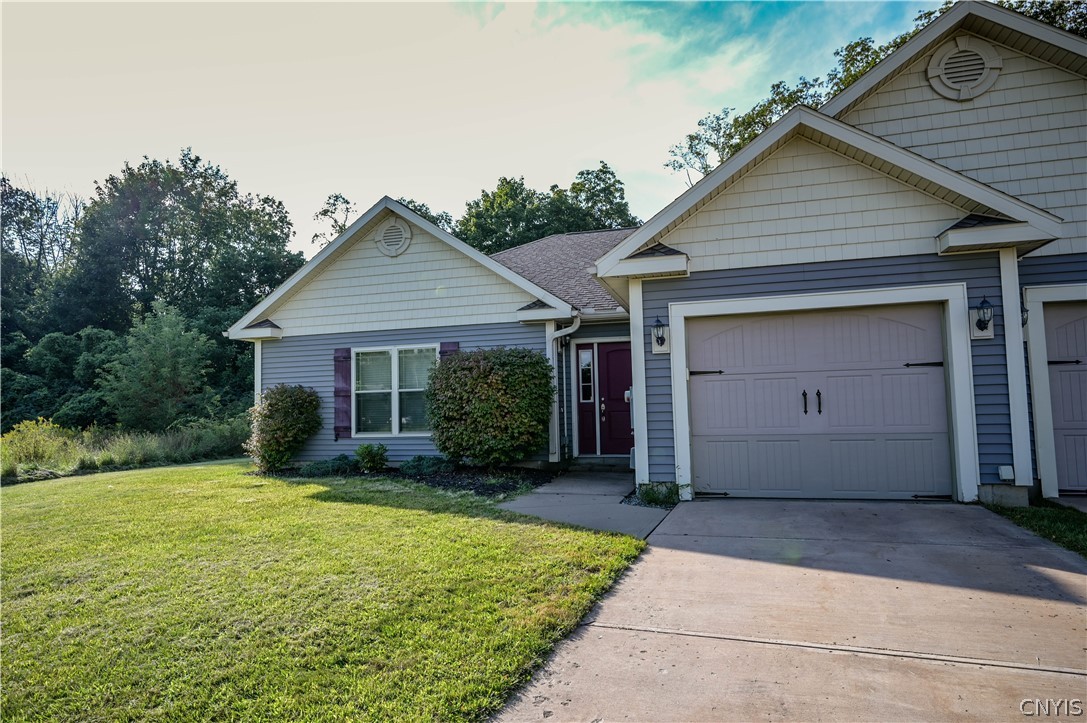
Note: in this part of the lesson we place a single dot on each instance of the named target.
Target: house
(884, 298)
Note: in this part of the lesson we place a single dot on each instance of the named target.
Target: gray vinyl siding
(307, 360)
(980, 272)
(586, 331)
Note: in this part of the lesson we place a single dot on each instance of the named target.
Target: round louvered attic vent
(394, 237)
(964, 68)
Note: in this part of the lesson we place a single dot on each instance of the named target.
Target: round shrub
(284, 418)
(372, 457)
(490, 406)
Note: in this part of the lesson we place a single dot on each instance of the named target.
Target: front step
(600, 464)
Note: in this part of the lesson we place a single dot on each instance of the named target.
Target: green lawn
(1064, 525)
(200, 592)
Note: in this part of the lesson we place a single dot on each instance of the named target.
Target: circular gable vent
(394, 237)
(964, 68)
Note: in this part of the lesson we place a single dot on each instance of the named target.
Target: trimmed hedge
(492, 406)
(284, 418)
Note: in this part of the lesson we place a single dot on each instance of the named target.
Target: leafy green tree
(177, 233)
(441, 219)
(159, 377)
(514, 214)
(720, 135)
(338, 212)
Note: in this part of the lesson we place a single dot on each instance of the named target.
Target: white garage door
(845, 404)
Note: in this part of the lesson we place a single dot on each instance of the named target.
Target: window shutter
(341, 364)
(447, 348)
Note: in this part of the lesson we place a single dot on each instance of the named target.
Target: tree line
(113, 307)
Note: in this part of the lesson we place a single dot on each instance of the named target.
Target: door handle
(804, 396)
(602, 408)
(819, 400)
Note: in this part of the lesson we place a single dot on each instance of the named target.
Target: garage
(846, 403)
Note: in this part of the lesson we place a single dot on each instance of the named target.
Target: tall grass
(37, 447)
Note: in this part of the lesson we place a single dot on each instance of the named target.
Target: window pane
(373, 370)
(415, 366)
(374, 412)
(585, 362)
(413, 412)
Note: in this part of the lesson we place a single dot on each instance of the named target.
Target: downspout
(552, 338)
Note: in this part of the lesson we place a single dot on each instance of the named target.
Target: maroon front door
(601, 383)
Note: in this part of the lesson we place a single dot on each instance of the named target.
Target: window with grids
(388, 389)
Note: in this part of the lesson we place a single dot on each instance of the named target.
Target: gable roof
(378, 212)
(905, 166)
(563, 264)
(1045, 42)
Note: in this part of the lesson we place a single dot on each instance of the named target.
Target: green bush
(422, 465)
(372, 457)
(284, 418)
(339, 466)
(659, 494)
(490, 406)
(39, 442)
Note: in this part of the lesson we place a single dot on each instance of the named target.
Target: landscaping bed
(204, 593)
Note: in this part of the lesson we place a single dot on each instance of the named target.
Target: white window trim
(1035, 299)
(959, 371)
(394, 392)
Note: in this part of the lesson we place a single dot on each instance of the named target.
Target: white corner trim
(924, 168)
(932, 33)
(637, 359)
(553, 451)
(1035, 299)
(958, 369)
(406, 213)
(1017, 370)
(258, 361)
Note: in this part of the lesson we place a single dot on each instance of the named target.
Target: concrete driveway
(765, 610)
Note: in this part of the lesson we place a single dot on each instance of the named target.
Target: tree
(514, 214)
(178, 233)
(36, 240)
(441, 219)
(159, 377)
(721, 134)
(338, 212)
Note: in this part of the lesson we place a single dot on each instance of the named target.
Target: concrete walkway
(592, 500)
(768, 610)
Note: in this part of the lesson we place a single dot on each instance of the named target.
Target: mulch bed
(487, 483)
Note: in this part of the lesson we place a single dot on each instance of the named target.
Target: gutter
(557, 408)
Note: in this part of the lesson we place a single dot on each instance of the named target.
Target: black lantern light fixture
(985, 314)
(659, 329)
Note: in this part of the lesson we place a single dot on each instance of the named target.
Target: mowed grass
(1064, 525)
(200, 592)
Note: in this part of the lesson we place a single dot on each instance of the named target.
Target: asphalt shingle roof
(563, 264)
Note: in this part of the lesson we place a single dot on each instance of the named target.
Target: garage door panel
(874, 428)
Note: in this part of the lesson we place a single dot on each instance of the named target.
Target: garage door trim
(953, 297)
(1035, 298)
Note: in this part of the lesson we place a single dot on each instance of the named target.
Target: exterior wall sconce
(981, 318)
(1024, 313)
(661, 342)
(985, 314)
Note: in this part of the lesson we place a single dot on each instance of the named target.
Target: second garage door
(838, 404)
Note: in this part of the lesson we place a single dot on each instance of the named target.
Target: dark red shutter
(447, 348)
(341, 364)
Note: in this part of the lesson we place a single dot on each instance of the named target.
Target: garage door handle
(819, 400)
(804, 395)
(1055, 362)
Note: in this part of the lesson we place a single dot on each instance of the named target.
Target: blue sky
(431, 101)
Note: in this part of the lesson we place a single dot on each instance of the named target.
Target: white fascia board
(1010, 206)
(933, 31)
(543, 315)
(400, 209)
(255, 334)
(1011, 234)
(655, 265)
